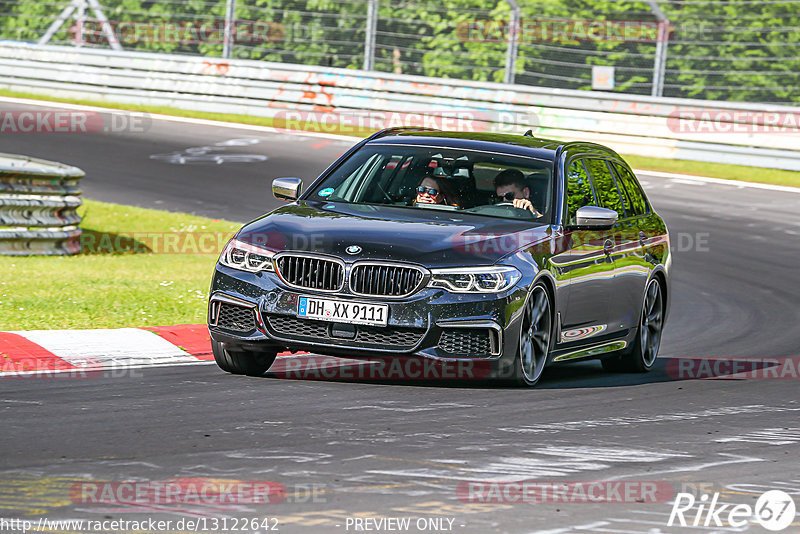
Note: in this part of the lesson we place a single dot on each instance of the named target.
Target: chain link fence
(734, 50)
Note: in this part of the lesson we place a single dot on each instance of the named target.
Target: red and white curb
(46, 352)
(101, 353)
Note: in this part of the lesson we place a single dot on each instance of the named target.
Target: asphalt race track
(350, 449)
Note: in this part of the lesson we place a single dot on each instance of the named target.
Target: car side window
(605, 185)
(579, 190)
(630, 184)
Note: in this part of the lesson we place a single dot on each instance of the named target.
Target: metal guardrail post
(513, 41)
(38, 203)
(230, 30)
(660, 62)
(369, 39)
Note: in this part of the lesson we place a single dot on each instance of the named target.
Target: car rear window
(635, 197)
(605, 185)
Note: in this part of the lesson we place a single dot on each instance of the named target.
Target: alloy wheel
(652, 323)
(534, 342)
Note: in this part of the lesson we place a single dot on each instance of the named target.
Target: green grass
(698, 168)
(716, 170)
(111, 285)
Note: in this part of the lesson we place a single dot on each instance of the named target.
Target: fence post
(513, 41)
(660, 62)
(77, 8)
(230, 30)
(369, 39)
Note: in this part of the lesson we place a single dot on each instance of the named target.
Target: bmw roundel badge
(353, 249)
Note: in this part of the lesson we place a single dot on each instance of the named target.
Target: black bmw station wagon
(508, 250)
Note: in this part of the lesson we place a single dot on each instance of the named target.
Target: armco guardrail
(38, 203)
(747, 134)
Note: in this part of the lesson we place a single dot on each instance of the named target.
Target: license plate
(342, 311)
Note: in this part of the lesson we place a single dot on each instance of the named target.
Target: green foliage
(738, 50)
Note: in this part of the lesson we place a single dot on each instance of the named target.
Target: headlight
(475, 279)
(246, 257)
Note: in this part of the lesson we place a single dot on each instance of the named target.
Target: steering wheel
(524, 210)
(385, 194)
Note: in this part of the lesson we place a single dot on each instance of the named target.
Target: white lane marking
(212, 155)
(576, 528)
(383, 406)
(687, 182)
(551, 461)
(768, 436)
(185, 120)
(108, 348)
(724, 411)
(690, 528)
(696, 467)
(295, 456)
(721, 181)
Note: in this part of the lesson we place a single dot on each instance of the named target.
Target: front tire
(534, 339)
(242, 362)
(643, 353)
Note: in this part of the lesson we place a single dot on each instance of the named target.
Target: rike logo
(775, 510)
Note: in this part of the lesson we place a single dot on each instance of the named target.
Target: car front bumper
(255, 311)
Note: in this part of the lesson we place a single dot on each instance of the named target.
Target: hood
(424, 236)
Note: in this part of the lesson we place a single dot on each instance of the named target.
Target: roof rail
(397, 129)
(591, 144)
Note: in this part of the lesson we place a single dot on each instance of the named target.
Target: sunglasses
(429, 190)
(508, 197)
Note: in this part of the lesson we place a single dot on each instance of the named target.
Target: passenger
(435, 190)
(510, 187)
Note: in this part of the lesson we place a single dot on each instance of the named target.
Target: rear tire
(642, 354)
(242, 362)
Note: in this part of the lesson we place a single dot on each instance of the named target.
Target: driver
(510, 187)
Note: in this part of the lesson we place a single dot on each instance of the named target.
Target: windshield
(435, 178)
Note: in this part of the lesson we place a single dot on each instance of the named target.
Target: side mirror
(287, 188)
(595, 217)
